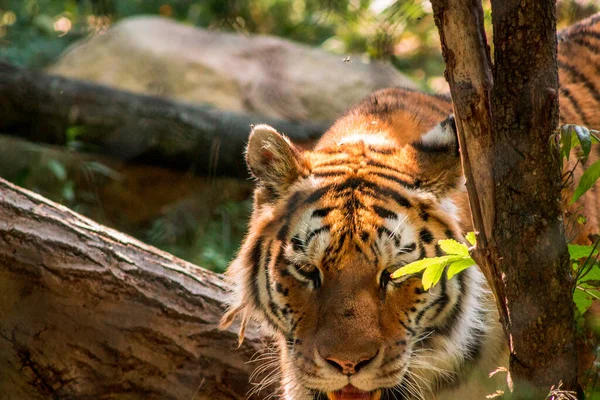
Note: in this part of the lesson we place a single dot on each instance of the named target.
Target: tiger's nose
(349, 367)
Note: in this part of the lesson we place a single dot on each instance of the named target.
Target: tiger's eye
(307, 268)
(311, 272)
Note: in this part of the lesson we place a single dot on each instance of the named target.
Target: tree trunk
(505, 119)
(132, 127)
(87, 312)
(529, 232)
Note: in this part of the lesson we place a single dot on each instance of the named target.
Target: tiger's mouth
(351, 393)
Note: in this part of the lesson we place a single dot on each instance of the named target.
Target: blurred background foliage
(34, 32)
(206, 228)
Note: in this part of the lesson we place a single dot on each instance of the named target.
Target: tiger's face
(350, 329)
(329, 227)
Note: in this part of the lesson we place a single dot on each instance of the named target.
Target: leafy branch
(568, 137)
(457, 259)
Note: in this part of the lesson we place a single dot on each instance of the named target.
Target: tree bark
(529, 231)
(505, 118)
(132, 127)
(88, 312)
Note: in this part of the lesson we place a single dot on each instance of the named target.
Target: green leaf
(74, 132)
(68, 191)
(471, 238)
(432, 275)
(593, 274)
(577, 252)
(565, 140)
(459, 266)
(414, 267)
(451, 246)
(420, 265)
(582, 300)
(44, 23)
(58, 169)
(589, 177)
(583, 134)
(595, 283)
(99, 168)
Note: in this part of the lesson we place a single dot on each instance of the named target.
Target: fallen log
(131, 127)
(88, 312)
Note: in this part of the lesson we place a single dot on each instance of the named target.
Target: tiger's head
(328, 228)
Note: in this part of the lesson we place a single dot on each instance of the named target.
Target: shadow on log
(132, 127)
(87, 312)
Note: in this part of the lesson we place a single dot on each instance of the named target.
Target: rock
(261, 74)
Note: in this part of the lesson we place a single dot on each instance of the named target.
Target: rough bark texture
(87, 312)
(132, 127)
(529, 231)
(468, 70)
(513, 177)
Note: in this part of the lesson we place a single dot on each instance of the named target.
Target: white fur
(448, 206)
(372, 139)
(318, 244)
(401, 229)
(439, 136)
(264, 295)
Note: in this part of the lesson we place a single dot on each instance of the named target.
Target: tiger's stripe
(579, 72)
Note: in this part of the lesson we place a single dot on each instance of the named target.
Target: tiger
(330, 224)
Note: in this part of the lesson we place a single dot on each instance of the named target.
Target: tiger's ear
(442, 139)
(273, 159)
(438, 158)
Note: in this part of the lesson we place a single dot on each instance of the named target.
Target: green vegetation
(457, 259)
(211, 243)
(34, 32)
